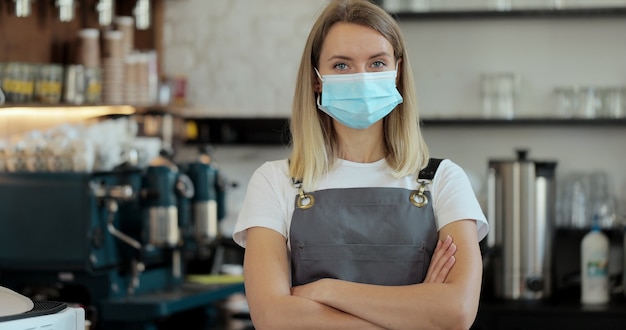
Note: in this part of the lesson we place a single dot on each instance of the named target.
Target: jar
(2, 68)
(500, 92)
(566, 101)
(49, 84)
(2, 97)
(19, 82)
(613, 104)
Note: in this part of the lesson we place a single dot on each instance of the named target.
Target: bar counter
(565, 313)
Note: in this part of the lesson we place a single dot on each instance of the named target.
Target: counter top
(550, 314)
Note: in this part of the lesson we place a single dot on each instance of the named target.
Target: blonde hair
(313, 140)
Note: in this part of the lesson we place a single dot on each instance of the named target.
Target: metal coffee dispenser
(521, 214)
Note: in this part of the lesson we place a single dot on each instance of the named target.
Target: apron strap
(428, 173)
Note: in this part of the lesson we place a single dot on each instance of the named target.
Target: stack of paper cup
(126, 25)
(138, 75)
(131, 79)
(89, 48)
(113, 62)
(153, 76)
(143, 75)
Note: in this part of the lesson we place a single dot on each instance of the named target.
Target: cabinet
(42, 38)
(539, 315)
(40, 47)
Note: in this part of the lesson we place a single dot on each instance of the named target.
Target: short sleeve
(454, 198)
(264, 202)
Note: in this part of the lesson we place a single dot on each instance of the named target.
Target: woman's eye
(378, 64)
(341, 66)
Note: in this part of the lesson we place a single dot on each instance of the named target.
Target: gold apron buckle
(305, 201)
(417, 197)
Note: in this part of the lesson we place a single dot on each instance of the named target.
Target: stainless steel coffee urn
(521, 214)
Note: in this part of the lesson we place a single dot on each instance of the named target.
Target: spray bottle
(594, 267)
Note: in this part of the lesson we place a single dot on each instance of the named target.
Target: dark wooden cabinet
(43, 38)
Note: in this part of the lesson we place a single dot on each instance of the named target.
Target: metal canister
(521, 214)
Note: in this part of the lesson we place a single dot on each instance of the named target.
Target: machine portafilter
(111, 197)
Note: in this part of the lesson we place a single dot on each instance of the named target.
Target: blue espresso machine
(114, 242)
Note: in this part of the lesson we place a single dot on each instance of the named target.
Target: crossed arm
(448, 298)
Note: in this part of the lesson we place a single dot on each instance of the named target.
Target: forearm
(451, 304)
(271, 302)
(420, 306)
(291, 312)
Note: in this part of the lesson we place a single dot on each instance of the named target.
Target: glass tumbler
(500, 92)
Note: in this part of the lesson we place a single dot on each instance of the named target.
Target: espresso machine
(115, 242)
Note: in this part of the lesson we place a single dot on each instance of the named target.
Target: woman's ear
(317, 83)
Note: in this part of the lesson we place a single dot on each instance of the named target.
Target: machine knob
(534, 284)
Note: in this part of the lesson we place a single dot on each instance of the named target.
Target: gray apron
(383, 236)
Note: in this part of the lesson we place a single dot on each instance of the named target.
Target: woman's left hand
(441, 262)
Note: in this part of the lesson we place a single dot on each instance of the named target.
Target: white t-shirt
(270, 196)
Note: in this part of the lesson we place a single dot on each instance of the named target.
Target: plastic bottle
(594, 252)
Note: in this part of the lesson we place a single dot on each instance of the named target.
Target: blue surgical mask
(358, 100)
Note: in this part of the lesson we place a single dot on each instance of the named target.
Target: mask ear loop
(318, 95)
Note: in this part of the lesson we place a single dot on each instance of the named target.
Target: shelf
(564, 122)
(103, 109)
(521, 13)
(275, 130)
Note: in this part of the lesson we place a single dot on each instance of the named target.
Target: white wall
(241, 58)
(449, 56)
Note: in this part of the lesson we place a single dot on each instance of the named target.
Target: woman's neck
(361, 146)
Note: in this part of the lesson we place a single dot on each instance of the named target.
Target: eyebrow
(343, 57)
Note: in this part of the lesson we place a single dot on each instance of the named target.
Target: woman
(358, 230)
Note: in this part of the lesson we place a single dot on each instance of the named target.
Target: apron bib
(364, 235)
